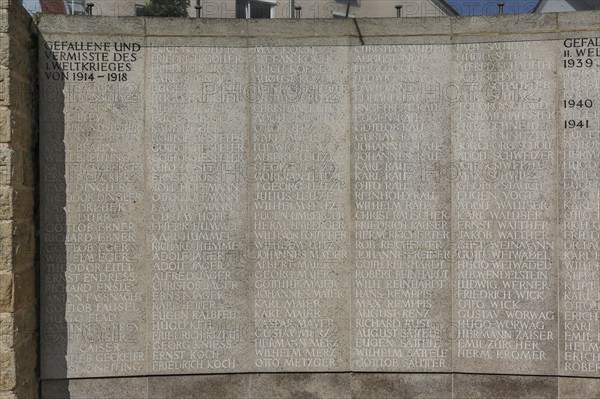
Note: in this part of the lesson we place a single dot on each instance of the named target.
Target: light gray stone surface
(402, 280)
(197, 194)
(299, 241)
(106, 388)
(94, 205)
(391, 386)
(301, 196)
(579, 209)
(199, 386)
(505, 207)
(578, 388)
(504, 386)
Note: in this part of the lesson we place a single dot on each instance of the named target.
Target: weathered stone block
(5, 125)
(6, 245)
(3, 20)
(4, 86)
(7, 331)
(4, 49)
(6, 203)
(9, 165)
(8, 371)
(7, 294)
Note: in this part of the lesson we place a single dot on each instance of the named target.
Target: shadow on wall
(54, 332)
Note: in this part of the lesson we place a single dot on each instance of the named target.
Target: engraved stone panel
(196, 152)
(579, 199)
(299, 208)
(401, 297)
(92, 243)
(504, 207)
(256, 196)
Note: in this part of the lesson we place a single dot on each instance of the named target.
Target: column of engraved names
(92, 172)
(298, 208)
(196, 155)
(504, 212)
(580, 206)
(401, 297)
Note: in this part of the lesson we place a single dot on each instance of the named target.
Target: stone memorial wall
(398, 196)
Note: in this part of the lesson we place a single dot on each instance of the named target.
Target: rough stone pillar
(18, 302)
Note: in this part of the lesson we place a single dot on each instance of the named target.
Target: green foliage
(166, 8)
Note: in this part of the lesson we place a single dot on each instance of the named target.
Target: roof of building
(447, 8)
(591, 4)
(53, 6)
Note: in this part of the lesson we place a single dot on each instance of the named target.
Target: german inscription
(93, 189)
(196, 153)
(402, 218)
(212, 206)
(580, 206)
(505, 207)
(300, 218)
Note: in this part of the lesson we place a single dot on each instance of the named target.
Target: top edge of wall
(322, 28)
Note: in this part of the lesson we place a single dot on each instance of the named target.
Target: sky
(464, 7)
(484, 7)
(31, 5)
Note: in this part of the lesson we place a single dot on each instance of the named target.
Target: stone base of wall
(325, 386)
